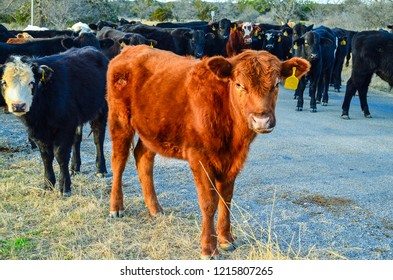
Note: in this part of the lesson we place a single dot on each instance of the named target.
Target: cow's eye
(3, 83)
(239, 86)
(31, 84)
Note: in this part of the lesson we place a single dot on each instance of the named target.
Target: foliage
(261, 6)
(162, 14)
(60, 14)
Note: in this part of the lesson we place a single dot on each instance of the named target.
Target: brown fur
(197, 110)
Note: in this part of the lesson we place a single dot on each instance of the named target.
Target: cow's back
(158, 89)
(78, 84)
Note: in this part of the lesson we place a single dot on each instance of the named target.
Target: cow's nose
(198, 55)
(313, 56)
(19, 107)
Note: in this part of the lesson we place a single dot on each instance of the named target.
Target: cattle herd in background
(326, 48)
(56, 80)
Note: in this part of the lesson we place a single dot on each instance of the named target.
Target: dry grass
(38, 224)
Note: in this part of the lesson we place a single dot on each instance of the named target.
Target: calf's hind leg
(98, 126)
(144, 160)
(121, 144)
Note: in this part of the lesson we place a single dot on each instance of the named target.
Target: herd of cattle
(197, 91)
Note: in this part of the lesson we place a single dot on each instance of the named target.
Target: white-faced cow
(53, 96)
(206, 112)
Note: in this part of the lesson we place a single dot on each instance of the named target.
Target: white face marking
(268, 36)
(17, 84)
(247, 28)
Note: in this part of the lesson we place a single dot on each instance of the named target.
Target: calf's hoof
(313, 110)
(324, 103)
(299, 109)
(116, 214)
(229, 246)
(368, 116)
(345, 117)
(210, 257)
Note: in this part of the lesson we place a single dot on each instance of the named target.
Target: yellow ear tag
(343, 42)
(279, 39)
(234, 28)
(213, 28)
(285, 33)
(43, 76)
(292, 82)
(295, 46)
(256, 33)
(122, 44)
(151, 45)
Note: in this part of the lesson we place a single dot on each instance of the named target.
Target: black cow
(350, 35)
(5, 34)
(89, 39)
(318, 48)
(341, 52)
(103, 23)
(298, 31)
(278, 44)
(53, 96)
(119, 38)
(215, 43)
(182, 41)
(372, 53)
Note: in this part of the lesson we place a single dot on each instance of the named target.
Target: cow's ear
(106, 43)
(42, 72)
(123, 41)
(302, 67)
(93, 26)
(221, 67)
(309, 28)
(68, 43)
(152, 42)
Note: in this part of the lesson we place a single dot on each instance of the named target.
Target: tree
(261, 6)
(283, 11)
(162, 14)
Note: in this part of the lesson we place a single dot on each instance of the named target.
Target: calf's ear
(302, 67)
(221, 67)
(42, 72)
(106, 43)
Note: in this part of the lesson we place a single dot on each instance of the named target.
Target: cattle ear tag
(122, 44)
(151, 45)
(213, 28)
(295, 46)
(343, 42)
(234, 28)
(292, 82)
(285, 33)
(43, 76)
(279, 39)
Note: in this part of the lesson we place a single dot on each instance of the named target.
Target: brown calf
(204, 111)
